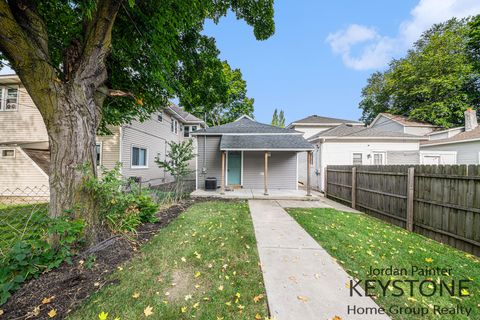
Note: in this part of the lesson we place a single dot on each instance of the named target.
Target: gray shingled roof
(323, 120)
(346, 131)
(265, 142)
(187, 117)
(246, 125)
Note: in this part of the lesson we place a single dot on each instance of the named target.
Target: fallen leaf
(220, 288)
(429, 260)
(47, 300)
(136, 295)
(52, 313)
(103, 315)
(336, 318)
(258, 317)
(183, 309)
(258, 298)
(148, 311)
(302, 298)
(35, 312)
(197, 274)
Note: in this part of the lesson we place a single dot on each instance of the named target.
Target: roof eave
(450, 142)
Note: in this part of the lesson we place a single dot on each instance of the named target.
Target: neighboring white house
(454, 146)
(310, 126)
(314, 124)
(24, 146)
(398, 123)
(355, 145)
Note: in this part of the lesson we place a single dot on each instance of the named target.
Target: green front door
(234, 168)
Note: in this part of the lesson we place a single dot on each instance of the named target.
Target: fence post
(325, 181)
(410, 195)
(354, 187)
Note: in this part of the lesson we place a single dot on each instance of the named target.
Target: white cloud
(376, 50)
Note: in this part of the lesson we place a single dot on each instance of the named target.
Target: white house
(454, 146)
(310, 126)
(24, 146)
(355, 145)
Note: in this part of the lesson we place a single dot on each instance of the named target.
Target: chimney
(470, 119)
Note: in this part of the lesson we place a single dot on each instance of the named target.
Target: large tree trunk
(72, 133)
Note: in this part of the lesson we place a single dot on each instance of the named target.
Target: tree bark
(72, 132)
(69, 103)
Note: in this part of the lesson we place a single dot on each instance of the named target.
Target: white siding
(418, 131)
(110, 154)
(25, 124)
(309, 131)
(442, 157)
(20, 173)
(467, 152)
(341, 153)
(155, 145)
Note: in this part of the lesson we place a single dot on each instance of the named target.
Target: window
(357, 159)
(378, 159)
(98, 151)
(194, 128)
(174, 126)
(8, 99)
(139, 157)
(186, 131)
(8, 153)
(160, 117)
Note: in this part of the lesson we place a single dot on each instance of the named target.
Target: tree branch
(98, 36)
(23, 42)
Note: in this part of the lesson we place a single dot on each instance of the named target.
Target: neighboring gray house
(454, 146)
(398, 123)
(355, 145)
(249, 154)
(24, 146)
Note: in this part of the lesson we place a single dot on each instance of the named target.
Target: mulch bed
(69, 285)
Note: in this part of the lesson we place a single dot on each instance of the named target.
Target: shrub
(29, 258)
(122, 205)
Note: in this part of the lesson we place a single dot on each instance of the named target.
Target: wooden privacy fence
(440, 202)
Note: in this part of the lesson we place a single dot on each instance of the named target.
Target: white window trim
(131, 157)
(3, 101)
(384, 157)
(8, 157)
(357, 152)
(101, 152)
(184, 131)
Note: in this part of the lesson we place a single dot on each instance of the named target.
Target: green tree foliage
(88, 63)
(232, 104)
(278, 119)
(275, 118)
(281, 119)
(435, 82)
(177, 159)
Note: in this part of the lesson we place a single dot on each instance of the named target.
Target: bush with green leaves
(30, 258)
(122, 204)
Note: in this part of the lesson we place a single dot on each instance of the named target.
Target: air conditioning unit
(211, 183)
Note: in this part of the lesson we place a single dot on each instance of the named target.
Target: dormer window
(8, 99)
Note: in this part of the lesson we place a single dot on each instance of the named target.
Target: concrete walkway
(302, 280)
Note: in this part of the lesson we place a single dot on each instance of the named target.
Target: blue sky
(323, 51)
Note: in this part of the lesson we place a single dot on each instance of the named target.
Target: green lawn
(358, 241)
(20, 222)
(204, 265)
